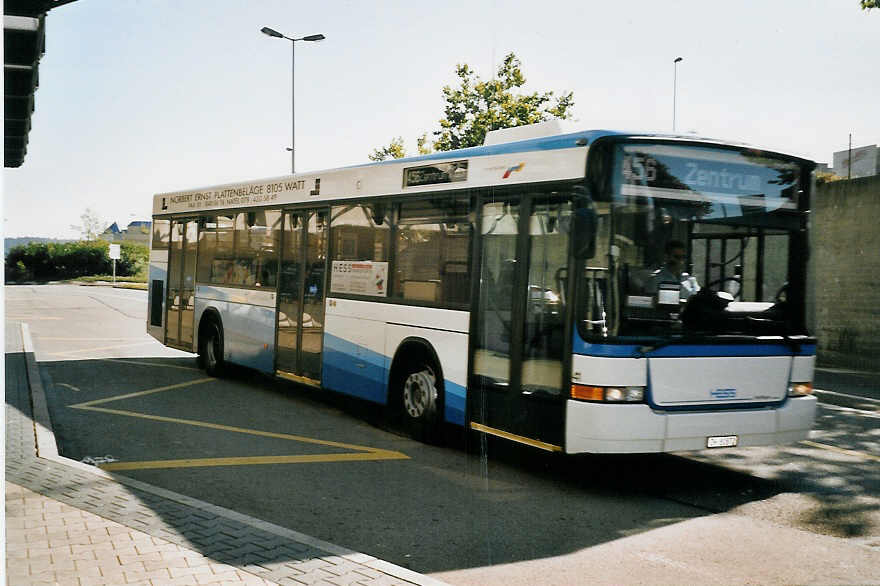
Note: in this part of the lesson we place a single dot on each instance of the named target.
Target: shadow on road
(467, 504)
(835, 473)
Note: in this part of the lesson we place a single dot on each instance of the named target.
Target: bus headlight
(800, 389)
(608, 394)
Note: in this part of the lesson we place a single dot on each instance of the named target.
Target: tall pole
(311, 38)
(292, 107)
(849, 159)
(674, 88)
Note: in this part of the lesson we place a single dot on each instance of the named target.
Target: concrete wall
(846, 273)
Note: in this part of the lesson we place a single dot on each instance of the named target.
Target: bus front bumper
(627, 429)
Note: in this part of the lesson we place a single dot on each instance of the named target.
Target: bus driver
(672, 270)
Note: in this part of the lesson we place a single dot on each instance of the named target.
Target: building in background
(137, 231)
(858, 162)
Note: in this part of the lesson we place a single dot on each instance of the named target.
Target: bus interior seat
(421, 290)
(456, 282)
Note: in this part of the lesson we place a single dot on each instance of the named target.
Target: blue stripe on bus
(545, 143)
(689, 350)
(548, 143)
(358, 371)
(354, 370)
(455, 402)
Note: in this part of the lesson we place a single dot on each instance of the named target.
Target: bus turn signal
(608, 394)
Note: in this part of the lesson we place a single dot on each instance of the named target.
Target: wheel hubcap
(419, 393)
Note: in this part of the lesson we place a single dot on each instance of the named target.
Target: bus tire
(211, 348)
(420, 398)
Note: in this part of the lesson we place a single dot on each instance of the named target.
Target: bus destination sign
(435, 174)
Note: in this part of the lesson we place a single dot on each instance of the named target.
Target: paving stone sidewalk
(49, 542)
(70, 523)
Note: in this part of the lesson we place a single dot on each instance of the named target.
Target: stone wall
(845, 269)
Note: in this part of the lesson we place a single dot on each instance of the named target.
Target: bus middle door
(301, 293)
(516, 378)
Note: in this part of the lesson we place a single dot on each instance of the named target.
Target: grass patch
(109, 279)
(138, 286)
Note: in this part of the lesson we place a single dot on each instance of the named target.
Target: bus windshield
(695, 240)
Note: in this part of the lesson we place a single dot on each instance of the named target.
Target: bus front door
(300, 315)
(181, 284)
(518, 324)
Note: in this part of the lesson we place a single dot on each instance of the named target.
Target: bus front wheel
(211, 349)
(420, 399)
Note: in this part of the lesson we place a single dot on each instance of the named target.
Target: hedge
(50, 261)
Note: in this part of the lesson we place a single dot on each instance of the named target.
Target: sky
(139, 97)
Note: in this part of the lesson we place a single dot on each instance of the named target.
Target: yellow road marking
(853, 453)
(88, 404)
(221, 427)
(83, 339)
(257, 460)
(113, 347)
(28, 317)
(363, 453)
(160, 365)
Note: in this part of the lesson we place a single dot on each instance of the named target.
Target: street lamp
(674, 88)
(273, 33)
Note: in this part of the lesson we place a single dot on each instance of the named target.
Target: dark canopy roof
(24, 42)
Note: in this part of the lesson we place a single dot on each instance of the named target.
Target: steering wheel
(782, 294)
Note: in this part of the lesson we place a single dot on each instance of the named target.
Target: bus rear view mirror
(584, 233)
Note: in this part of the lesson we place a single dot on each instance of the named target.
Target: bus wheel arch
(211, 343)
(416, 388)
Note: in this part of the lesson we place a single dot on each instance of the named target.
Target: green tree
(869, 4)
(826, 177)
(476, 106)
(422, 144)
(92, 225)
(395, 150)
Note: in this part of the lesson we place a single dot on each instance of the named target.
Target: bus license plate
(721, 441)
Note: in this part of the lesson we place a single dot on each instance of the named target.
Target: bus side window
(431, 252)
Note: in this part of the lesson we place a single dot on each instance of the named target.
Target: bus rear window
(161, 234)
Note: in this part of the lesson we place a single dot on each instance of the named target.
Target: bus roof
(567, 151)
(567, 140)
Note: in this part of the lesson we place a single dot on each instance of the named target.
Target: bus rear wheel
(211, 349)
(420, 399)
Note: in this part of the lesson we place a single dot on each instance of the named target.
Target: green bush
(135, 261)
(67, 260)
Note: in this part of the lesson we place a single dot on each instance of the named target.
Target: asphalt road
(333, 469)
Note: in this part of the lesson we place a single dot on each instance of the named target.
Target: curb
(47, 449)
(848, 401)
(44, 436)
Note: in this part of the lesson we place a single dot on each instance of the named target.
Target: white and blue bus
(519, 289)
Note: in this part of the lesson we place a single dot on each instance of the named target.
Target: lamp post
(674, 88)
(273, 33)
